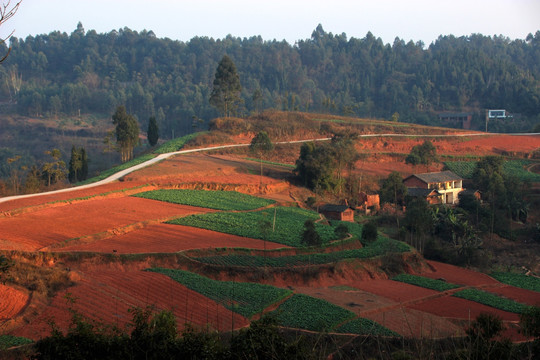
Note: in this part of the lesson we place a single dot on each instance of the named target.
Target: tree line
(60, 74)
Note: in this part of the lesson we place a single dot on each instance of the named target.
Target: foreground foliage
(218, 200)
(7, 341)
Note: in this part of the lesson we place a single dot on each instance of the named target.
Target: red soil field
(49, 226)
(107, 296)
(457, 308)
(458, 275)
(169, 238)
(394, 290)
(520, 295)
(415, 323)
(12, 301)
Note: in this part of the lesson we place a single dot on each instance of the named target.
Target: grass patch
(105, 174)
(363, 326)
(425, 282)
(272, 163)
(309, 313)
(246, 299)
(8, 341)
(379, 247)
(218, 200)
(518, 280)
(176, 144)
(492, 300)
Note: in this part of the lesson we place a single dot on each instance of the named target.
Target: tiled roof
(437, 177)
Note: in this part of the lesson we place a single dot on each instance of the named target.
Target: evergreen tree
(55, 170)
(153, 131)
(84, 168)
(75, 165)
(225, 96)
(127, 132)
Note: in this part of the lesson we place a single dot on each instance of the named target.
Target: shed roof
(334, 208)
(437, 177)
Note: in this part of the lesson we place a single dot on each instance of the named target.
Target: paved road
(160, 157)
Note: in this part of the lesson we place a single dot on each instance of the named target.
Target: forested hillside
(59, 74)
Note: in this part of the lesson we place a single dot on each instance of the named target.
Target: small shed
(337, 212)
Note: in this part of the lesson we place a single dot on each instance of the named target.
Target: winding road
(161, 157)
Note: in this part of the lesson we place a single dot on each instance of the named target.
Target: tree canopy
(226, 89)
(127, 132)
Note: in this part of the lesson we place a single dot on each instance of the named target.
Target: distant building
(457, 120)
(446, 183)
(497, 114)
(337, 212)
(368, 202)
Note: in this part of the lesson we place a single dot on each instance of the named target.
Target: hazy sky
(288, 20)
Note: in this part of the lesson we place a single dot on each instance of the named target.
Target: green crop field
(379, 247)
(492, 300)
(246, 299)
(175, 144)
(363, 326)
(511, 167)
(7, 341)
(518, 280)
(289, 224)
(425, 282)
(309, 313)
(218, 200)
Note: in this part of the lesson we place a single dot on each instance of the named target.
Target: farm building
(368, 202)
(432, 196)
(447, 184)
(337, 212)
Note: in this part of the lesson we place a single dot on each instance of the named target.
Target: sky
(290, 20)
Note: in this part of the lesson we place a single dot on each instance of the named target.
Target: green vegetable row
(218, 200)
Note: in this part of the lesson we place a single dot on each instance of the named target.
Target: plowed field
(45, 227)
(12, 301)
(107, 296)
(457, 275)
(169, 238)
(520, 295)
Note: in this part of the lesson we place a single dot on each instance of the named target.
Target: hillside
(178, 250)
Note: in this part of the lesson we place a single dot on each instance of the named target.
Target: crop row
(425, 282)
(7, 341)
(246, 299)
(515, 168)
(492, 300)
(175, 144)
(518, 280)
(306, 312)
(218, 200)
(363, 326)
(379, 247)
(288, 228)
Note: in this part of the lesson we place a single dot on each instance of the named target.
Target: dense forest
(62, 74)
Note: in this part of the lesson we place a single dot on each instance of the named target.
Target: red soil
(107, 296)
(169, 238)
(457, 308)
(414, 323)
(45, 227)
(457, 275)
(394, 290)
(12, 301)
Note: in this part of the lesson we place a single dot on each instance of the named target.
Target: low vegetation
(515, 168)
(246, 299)
(379, 247)
(218, 200)
(309, 313)
(7, 341)
(490, 299)
(433, 284)
(518, 280)
(361, 326)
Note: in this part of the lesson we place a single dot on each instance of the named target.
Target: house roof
(437, 177)
(334, 208)
(421, 192)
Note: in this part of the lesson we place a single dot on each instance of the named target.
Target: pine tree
(127, 132)
(225, 94)
(75, 165)
(153, 131)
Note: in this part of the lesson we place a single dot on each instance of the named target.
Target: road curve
(160, 157)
